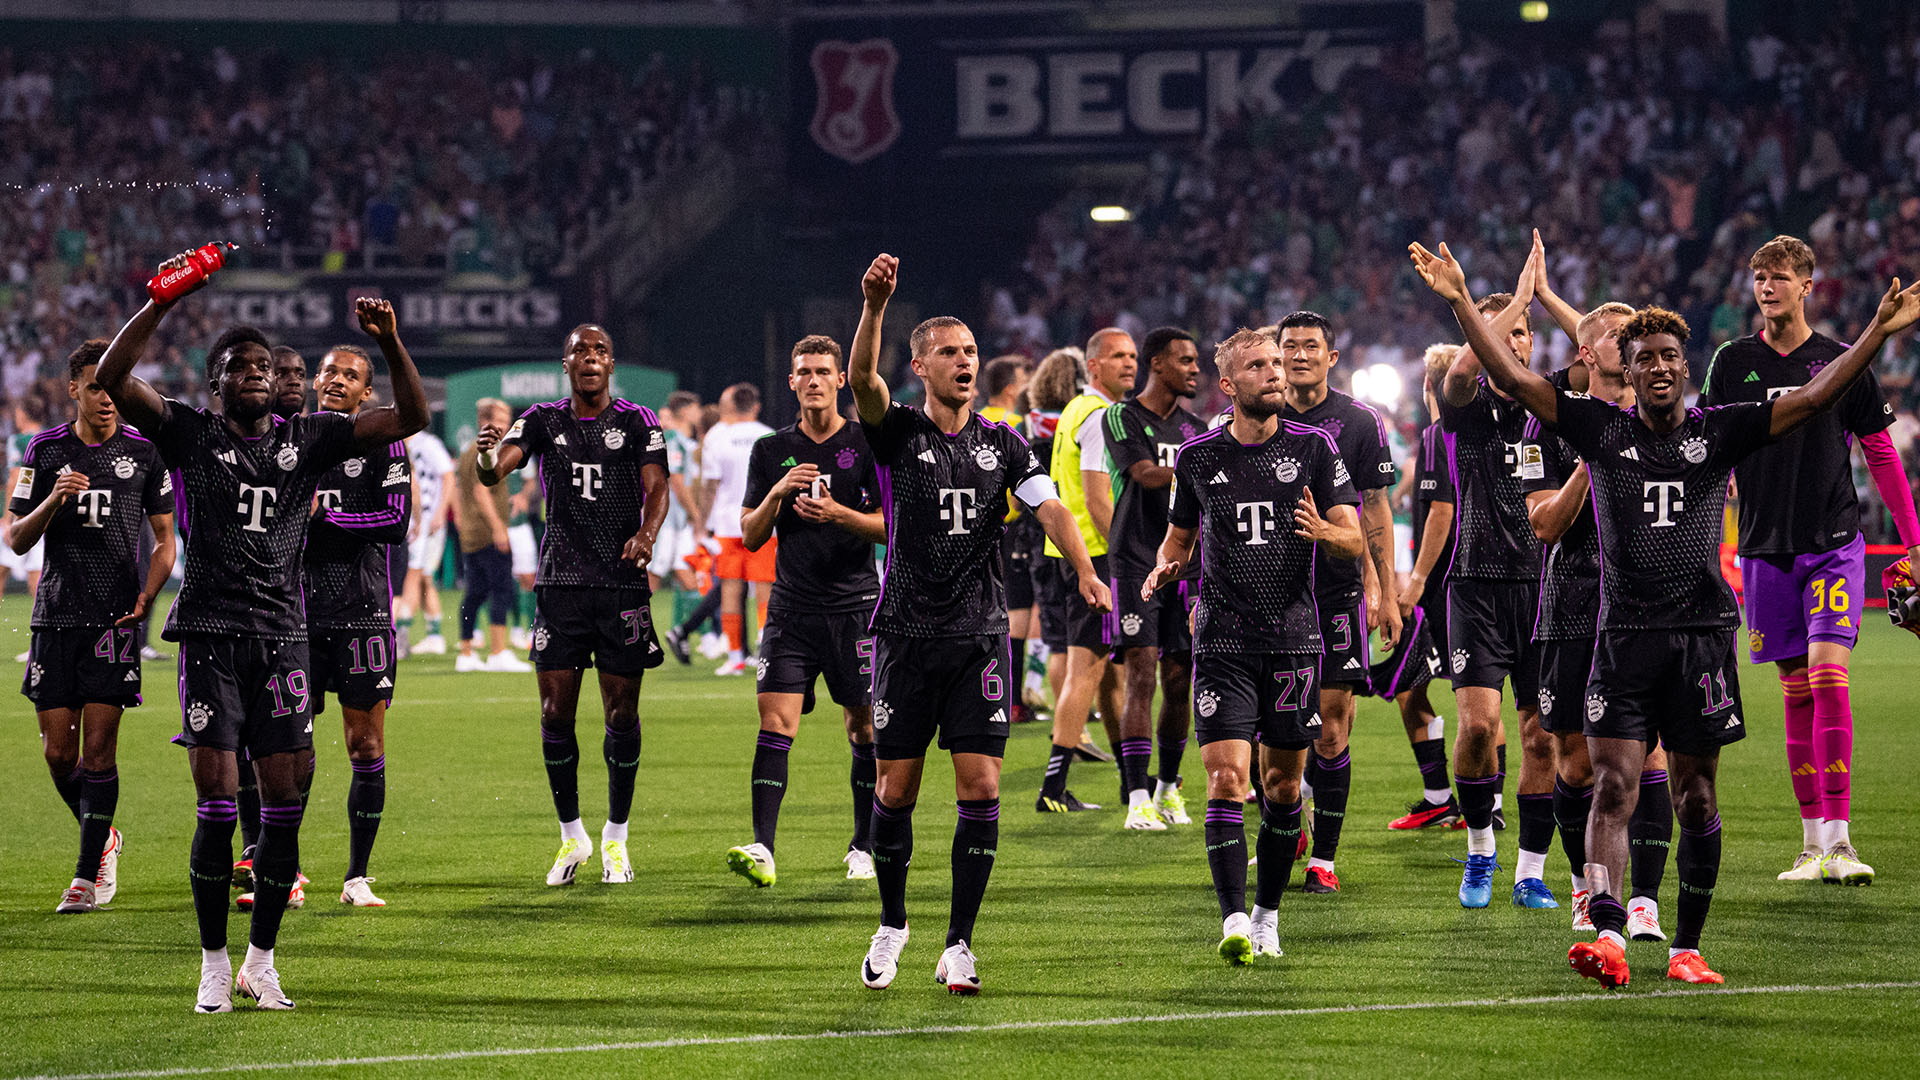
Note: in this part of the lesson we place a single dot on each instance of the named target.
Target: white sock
(736, 656)
(1436, 796)
(1614, 935)
(1265, 915)
(1837, 832)
(1138, 797)
(1580, 883)
(1306, 792)
(212, 959)
(615, 832)
(1437, 727)
(1499, 801)
(257, 958)
(1161, 789)
(1671, 953)
(1480, 841)
(1320, 864)
(573, 830)
(1530, 864)
(1813, 833)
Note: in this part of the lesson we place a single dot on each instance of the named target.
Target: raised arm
(1563, 314)
(1486, 340)
(374, 428)
(1898, 310)
(863, 374)
(494, 462)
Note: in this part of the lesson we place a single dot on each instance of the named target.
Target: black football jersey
(1433, 483)
(944, 498)
(1658, 501)
(360, 510)
(242, 505)
(1257, 576)
(1570, 570)
(1134, 434)
(589, 469)
(819, 568)
(1797, 495)
(1361, 437)
(92, 544)
(1492, 540)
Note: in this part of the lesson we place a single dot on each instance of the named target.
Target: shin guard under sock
(892, 854)
(1650, 834)
(1699, 862)
(276, 867)
(99, 797)
(1279, 838)
(366, 801)
(561, 751)
(1226, 837)
(1330, 789)
(210, 868)
(621, 747)
(861, 779)
(976, 835)
(769, 784)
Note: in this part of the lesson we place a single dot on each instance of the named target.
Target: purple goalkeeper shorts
(1792, 600)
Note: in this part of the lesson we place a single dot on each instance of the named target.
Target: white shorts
(526, 553)
(424, 552)
(670, 551)
(21, 565)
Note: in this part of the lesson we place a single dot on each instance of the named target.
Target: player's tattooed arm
(28, 530)
(1383, 603)
(1898, 309)
(653, 513)
(158, 569)
(1338, 531)
(373, 428)
(863, 374)
(1564, 315)
(1433, 541)
(1552, 513)
(1175, 549)
(1061, 528)
(1486, 339)
(139, 403)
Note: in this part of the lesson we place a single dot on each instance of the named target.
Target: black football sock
(366, 801)
(621, 747)
(306, 779)
(1279, 838)
(99, 797)
(210, 868)
(1476, 799)
(1650, 834)
(67, 782)
(975, 836)
(1699, 863)
(1330, 790)
(769, 784)
(1054, 784)
(1135, 758)
(1226, 837)
(1431, 756)
(1571, 807)
(276, 866)
(1607, 914)
(1017, 650)
(1536, 823)
(892, 853)
(1500, 761)
(1171, 750)
(562, 753)
(248, 800)
(862, 780)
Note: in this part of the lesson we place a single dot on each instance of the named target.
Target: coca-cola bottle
(170, 285)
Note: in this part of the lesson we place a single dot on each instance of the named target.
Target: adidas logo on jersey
(559, 440)
(1219, 477)
(1752, 376)
(789, 463)
(927, 456)
(228, 457)
(384, 684)
(131, 676)
(1631, 453)
(1352, 664)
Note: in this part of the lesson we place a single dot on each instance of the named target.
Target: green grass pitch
(1083, 923)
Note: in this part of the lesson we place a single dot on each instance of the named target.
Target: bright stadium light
(1110, 214)
(1533, 11)
(1380, 384)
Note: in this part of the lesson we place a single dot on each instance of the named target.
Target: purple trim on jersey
(1304, 429)
(1453, 477)
(50, 433)
(392, 515)
(1407, 634)
(883, 475)
(179, 483)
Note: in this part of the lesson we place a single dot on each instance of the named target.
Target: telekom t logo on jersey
(586, 480)
(957, 510)
(1254, 520)
(1663, 497)
(256, 505)
(93, 505)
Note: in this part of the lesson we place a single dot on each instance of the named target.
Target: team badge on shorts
(1546, 702)
(1206, 703)
(1596, 708)
(540, 638)
(882, 712)
(1130, 624)
(34, 674)
(1754, 641)
(198, 716)
(1459, 661)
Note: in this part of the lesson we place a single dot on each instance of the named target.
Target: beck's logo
(586, 480)
(1663, 497)
(256, 505)
(853, 116)
(957, 510)
(93, 504)
(1253, 520)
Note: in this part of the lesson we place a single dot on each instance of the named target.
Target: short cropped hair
(1493, 303)
(88, 354)
(1647, 322)
(816, 345)
(680, 399)
(230, 339)
(922, 338)
(1001, 372)
(487, 406)
(1236, 343)
(1587, 330)
(742, 397)
(350, 350)
(1308, 319)
(1160, 339)
(1788, 251)
(1437, 361)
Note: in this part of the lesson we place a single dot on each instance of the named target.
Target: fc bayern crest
(847, 458)
(853, 116)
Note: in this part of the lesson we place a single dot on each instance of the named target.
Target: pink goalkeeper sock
(1805, 776)
(1832, 738)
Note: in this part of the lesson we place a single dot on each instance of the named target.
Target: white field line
(967, 1029)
